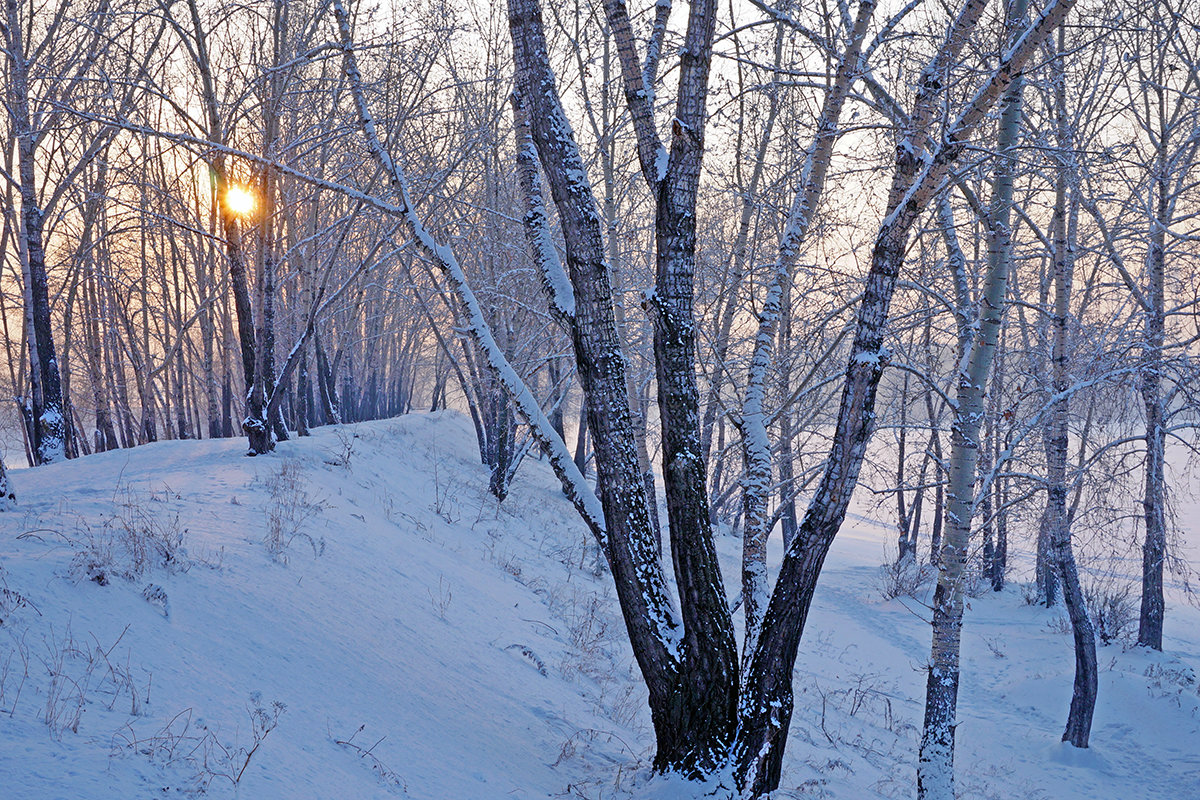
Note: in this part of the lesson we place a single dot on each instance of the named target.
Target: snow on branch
(937, 166)
(574, 484)
(537, 221)
(638, 80)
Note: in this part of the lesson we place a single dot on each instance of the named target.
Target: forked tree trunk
(691, 671)
(692, 683)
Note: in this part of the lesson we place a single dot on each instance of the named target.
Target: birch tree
(1162, 87)
(1083, 697)
(752, 422)
(978, 340)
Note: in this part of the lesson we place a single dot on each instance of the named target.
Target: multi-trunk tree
(710, 713)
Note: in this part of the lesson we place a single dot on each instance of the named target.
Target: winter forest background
(738, 300)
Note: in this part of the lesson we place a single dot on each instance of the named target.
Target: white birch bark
(756, 482)
(935, 770)
(8, 497)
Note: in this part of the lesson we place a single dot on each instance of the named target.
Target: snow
(562, 294)
(462, 652)
(406, 624)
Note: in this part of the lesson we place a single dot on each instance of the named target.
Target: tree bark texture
(1154, 547)
(756, 446)
(1083, 695)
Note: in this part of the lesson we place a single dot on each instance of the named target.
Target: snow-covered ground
(355, 617)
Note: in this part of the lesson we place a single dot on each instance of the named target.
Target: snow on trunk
(756, 445)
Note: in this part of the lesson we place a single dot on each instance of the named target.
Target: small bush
(12, 601)
(198, 750)
(1172, 680)
(142, 534)
(150, 534)
(80, 672)
(290, 508)
(1029, 593)
(445, 494)
(1113, 610)
(441, 599)
(533, 657)
(904, 577)
(346, 448)
(389, 777)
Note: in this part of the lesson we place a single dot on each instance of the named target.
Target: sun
(239, 201)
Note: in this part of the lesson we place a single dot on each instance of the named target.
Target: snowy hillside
(355, 617)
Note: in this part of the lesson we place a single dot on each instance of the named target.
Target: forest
(738, 271)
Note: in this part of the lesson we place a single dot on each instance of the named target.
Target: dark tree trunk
(688, 738)
(303, 397)
(1154, 548)
(904, 546)
(709, 692)
(48, 412)
(1083, 696)
(766, 702)
(558, 390)
(326, 385)
(581, 441)
(501, 441)
(227, 407)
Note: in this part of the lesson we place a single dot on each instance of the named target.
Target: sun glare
(239, 201)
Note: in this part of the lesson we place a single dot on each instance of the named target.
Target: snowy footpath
(354, 616)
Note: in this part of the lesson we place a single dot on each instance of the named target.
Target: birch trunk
(756, 483)
(105, 434)
(935, 769)
(8, 497)
(740, 254)
(1083, 695)
(1154, 548)
(1000, 245)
